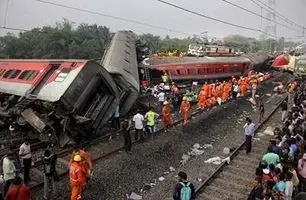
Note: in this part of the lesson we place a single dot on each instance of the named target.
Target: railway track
(234, 180)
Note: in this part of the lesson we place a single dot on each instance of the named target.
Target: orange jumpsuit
(185, 106)
(77, 177)
(202, 99)
(243, 87)
(86, 161)
(226, 91)
(166, 115)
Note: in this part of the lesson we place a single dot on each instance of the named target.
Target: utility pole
(270, 27)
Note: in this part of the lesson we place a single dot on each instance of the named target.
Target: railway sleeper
(229, 184)
(237, 178)
(219, 192)
(206, 196)
(238, 170)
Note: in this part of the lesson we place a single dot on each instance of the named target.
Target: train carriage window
(2, 72)
(28, 75)
(202, 71)
(181, 71)
(192, 71)
(8, 73)
(14, 74)
(219, 70)
(171, 72)
(62, 75)
(210, 70)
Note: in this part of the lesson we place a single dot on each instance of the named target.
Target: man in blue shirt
(249, 129)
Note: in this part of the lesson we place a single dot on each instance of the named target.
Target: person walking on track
(166, 115)
(185, 106)
(77, 177)
(86, 160)
(49, 162)
(184, 190)
(249, 129)
(150, 118)
(127, 135)
(284, 106)
(26, 156)
(261, 110)
(9, 171)
(138, 120)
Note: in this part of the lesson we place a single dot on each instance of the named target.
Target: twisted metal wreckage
(67, 100)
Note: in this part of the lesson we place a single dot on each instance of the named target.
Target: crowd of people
(281, 174)
(17, 188)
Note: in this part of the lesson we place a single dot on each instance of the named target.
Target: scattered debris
(196, 152)
(254, 138)
(260, 134)
(214, 160)
(196, 146)
(185, 158)
(227, 160)
(147, 187)
(252, 101)
(166, 172)
(217, 160)
(161, 178)
(226, 150)
(172, 169)
(199, 179)
(134, 196)
(205, 146)
(269, 131)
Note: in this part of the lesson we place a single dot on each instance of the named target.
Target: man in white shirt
(138, 120)
(26, 157)
(161, 99)
(9, 171)
(249, 129)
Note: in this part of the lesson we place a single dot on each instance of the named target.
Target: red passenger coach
(202, 68)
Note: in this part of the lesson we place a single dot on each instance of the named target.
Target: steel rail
(217, 171)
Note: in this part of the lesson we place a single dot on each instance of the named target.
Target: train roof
(22, 77)
(160, 61)
(121, 58)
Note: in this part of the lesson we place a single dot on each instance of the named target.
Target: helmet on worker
(77, 158)
(184, 98)
(166, 103)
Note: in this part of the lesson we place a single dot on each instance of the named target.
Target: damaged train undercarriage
(64, 101)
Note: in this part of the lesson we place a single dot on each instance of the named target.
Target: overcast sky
(27, 14)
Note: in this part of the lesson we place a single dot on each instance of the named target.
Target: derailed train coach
(120, 61)
(67, 100)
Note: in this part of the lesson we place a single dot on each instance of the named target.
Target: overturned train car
(67, 100)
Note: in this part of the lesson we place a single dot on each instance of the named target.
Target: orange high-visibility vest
(76, 174)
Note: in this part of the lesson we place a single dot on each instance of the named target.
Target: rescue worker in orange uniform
(77, 177)
(166, 115)
(243, 86)
(226, 91)
(185, 106)
(86, 162)
(202, 99)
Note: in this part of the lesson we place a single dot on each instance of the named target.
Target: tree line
(89, 42)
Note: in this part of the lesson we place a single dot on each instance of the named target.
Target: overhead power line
(112, 17)
(13, 29)
(286, 19)
(257, 14)
(214, 19)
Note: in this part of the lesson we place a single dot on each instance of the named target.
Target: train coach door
(41, 82)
